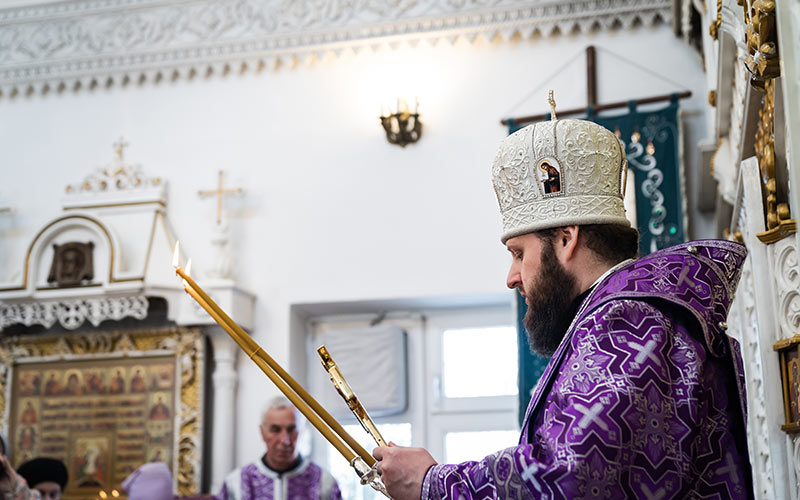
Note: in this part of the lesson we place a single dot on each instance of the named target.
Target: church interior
(326, 166)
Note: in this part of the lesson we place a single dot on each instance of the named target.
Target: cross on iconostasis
(119, 147)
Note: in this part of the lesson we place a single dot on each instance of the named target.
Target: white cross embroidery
(645, 351)
(653, 495)
(684, 277)
(528, 473)
(590, 415)
(730, 468)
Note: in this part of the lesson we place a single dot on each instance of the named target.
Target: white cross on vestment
(529, 473)
(653, 495)
(684, 277)
(730, 468)
(645, 351)
(590, 415)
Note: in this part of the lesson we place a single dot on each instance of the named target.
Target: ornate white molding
(787, 276)
(72, 313)
(744, 312)
(225, 381)
(72, 44)
(795, 443)
(116, 177)
(118, 183)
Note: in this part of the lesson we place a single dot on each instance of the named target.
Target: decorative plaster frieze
(115, 177)
(97, 42)
(71, 314)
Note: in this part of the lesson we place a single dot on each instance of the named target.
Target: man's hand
(403, 470)
(8, 478)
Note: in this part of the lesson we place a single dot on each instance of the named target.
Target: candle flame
(176, 255)
(103, 494)
(188, 269)
(114, 493)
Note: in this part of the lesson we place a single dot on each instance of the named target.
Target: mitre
(560, 173)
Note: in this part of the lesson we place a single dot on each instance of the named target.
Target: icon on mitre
(549, 175)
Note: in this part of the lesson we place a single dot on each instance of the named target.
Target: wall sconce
(402, 127)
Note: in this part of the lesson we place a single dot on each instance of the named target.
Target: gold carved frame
(789, 358)
(185, 344)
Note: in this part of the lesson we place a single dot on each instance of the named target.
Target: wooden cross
(591, 77)
(219, 193)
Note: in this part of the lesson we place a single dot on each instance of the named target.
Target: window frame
(430, 414)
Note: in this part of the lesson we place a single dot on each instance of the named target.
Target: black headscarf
(42, 469)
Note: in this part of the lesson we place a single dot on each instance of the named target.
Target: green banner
(651, 145)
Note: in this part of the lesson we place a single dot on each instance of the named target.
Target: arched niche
(81, 228)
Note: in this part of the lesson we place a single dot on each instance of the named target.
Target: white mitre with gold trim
(559, 173)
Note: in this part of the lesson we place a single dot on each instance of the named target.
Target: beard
(550, 296)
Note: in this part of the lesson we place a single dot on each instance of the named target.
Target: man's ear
(566, 242)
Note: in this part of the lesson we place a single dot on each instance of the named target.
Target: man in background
(281, 473)
(48, 476)
(12, 485)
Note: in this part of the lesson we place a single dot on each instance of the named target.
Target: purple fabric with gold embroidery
(255, 481)
(644, 398)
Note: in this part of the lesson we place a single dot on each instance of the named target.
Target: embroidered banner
(651, 141)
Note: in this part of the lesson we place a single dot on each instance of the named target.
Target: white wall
(332, 212)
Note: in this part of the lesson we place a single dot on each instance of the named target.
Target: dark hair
(611, 242)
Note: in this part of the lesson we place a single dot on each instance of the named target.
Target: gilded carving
(713, 29)
(187, 347)
(779, 223)
(762, 43)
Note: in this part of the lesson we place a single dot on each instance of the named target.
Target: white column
(224, 378)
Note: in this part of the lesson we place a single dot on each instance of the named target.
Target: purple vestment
(256, 481)
(644, 398)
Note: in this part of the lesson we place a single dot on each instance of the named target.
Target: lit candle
(176, 255)
(326, 432)
(280, 377)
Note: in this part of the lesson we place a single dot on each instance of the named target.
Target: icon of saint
(52, 387)
(117, 385)
(73, 387)
(159, 411)
(137, 382)
(28, 415)
(27, 438)
(90, 467)
(551, 178)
